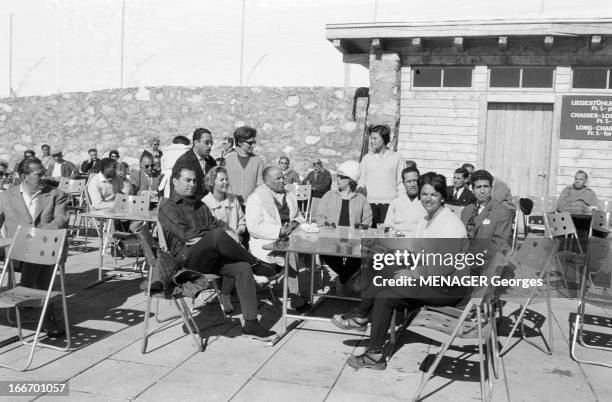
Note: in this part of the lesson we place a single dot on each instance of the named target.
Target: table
(120, 214)
(341, 242)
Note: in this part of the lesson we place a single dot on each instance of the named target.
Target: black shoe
(350, 320)
(370, 359)
(256, 331)
(52, 328)
(266, 269)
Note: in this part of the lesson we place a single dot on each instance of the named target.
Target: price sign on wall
(586, 118)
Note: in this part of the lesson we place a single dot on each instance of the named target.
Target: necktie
(456, 196)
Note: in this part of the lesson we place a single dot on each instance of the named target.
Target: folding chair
(134, 205)
(599, 223)
(35, 246)
(85, 205)
(560, 225)
(146, 240)
(303, 194)
(595, 289)
(466, 330)
(74, 188)
(533, 254)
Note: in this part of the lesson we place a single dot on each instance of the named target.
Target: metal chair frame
(477, 315)
(602, 300)
(303, 192)
(530, 255)
(561, 225)
(146, 240)
(35, 246)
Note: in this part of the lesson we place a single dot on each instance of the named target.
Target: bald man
(272, 213)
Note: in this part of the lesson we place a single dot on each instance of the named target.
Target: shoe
(261, 280)
(350, 320)
(266, 268)
(371, 360)
(51, 327)
(255, 331)
(226, 303)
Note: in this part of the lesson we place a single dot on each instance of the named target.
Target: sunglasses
(343, 177)
(316, 164)
(251, 142)
(147, 166)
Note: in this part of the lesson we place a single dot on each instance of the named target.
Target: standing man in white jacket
(271, 213)
(180, 145)
(381, 173)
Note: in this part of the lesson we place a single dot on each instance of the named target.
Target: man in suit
(320, 180)
(146, 180)
(198, 158)
(487, 218)
(91, 165)
(59, 167)
(32, 203)
(458, 193)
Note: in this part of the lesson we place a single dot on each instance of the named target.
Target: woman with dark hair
(440, 222)
(291, 176)
(244, 168)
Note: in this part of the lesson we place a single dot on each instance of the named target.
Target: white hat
(350, 169)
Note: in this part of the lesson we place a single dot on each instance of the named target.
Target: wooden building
(529, 100)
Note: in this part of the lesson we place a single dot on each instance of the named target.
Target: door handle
(542, 175)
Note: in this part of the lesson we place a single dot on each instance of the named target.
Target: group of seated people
(217, 217)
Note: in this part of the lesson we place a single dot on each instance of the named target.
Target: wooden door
(517, 146)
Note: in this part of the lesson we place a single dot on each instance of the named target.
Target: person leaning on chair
(577, 198)
(34, 204)
(199, 243)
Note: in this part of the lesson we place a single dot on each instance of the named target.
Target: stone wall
(303, 123)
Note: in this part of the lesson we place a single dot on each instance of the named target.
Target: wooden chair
(146, 240)
(473, 327)
(534, 255)
(35, 246)
(596, 290)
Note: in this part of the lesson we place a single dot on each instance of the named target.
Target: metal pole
(242, 42)
(11, 55)
(122, 38)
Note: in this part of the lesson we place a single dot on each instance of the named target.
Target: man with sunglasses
(146, 180)
(4, 176)
(320, 180)
(244, 168)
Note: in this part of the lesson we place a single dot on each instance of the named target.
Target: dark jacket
(90, 167)
(183, 219)
(466, 197)
(139, 180)
(494, 223)
(189, 158)
(68, 170)
(321, 185)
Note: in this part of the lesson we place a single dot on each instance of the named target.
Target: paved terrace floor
(309, 364)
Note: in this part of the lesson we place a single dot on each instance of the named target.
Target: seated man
(59, 167)
(344, 207)
(458, 194)
(406, 210)
(146, 180)
(320, 180)
(105, 185)
(272, 213)
(91, 165)
(4, 175)
(199, 243)
(487, 219)
(577, 198)
(32, 203)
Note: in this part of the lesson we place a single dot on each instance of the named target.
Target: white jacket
(263, 220)
(168, 159)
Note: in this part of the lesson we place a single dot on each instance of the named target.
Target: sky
(73, 46)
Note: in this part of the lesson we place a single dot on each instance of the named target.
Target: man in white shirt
(59, 167)
(406, 210)
(381, 173)
(104, 186)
